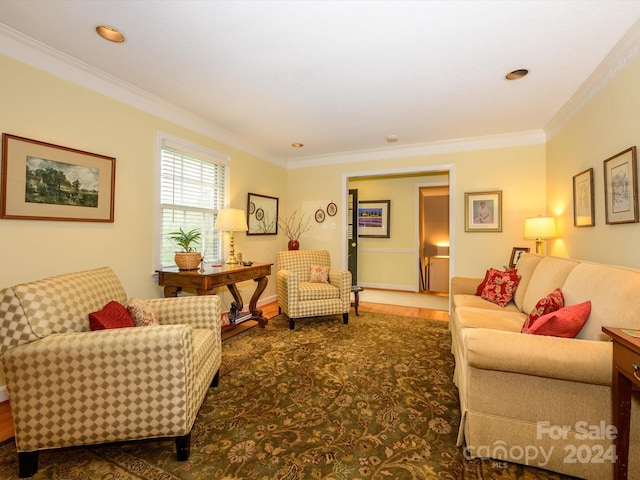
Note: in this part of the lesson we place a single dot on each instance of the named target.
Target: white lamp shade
(231, 220)
(539, 227)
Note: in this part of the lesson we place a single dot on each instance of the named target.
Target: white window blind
(192, 190)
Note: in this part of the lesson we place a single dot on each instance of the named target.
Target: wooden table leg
(236, 295)
(261, 284)
(171, 291)
(622, 419)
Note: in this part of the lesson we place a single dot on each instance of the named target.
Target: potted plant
(188, 258)
(293, 227)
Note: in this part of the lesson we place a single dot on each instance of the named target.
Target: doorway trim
(449, 168)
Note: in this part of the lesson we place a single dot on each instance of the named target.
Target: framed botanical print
(583, 199)
(621, 187)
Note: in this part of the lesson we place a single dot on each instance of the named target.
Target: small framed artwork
(374, 218)
(42, 181)
(332, 209)
(583, 201)
(516, 253)
(621, 187)
(262, 214)
(483, 211)
(319, 215)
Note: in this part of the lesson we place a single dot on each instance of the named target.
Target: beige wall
(519, 172)
(38, 105)
(606, 126)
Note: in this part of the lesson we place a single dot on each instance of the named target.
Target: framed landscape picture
(483, 211)
(42, 181)
(374, 218)
(621, 187)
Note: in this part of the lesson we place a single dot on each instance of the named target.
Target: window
(192, 188)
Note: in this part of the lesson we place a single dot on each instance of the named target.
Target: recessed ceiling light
(297, 145)
(517, 74)
(110, 33)
(392, 138)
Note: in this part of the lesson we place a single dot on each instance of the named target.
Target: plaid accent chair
(72, 386)
(300, 294)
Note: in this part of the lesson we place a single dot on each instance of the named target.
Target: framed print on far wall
(374, 218)
(483, 211)
(42, 181)
(583, 201)
(621, 187)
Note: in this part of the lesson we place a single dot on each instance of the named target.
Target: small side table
(626, 377)
(356, 289)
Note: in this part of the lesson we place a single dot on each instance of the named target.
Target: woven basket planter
(188, 261)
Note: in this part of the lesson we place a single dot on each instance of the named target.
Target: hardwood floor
(6, 423)
(270, 310)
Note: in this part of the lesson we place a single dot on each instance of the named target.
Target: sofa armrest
(90, 387)
(287, 286)
(570, 359)
(342, 280)
(464, 285)
(199, 311)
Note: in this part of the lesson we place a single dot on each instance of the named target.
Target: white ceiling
(340, 76)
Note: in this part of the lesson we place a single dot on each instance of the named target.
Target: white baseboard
(264, 301)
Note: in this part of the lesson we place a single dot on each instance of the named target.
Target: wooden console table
(626, 377)
(206, 279)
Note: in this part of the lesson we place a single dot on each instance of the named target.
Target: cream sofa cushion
(525, 267)
(550, 274)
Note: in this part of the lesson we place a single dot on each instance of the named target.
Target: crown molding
(41, 56)
(625, 51)
(516, 139)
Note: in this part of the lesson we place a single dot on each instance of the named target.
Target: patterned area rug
(369, 400)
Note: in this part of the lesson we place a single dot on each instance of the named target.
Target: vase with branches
(294, 226)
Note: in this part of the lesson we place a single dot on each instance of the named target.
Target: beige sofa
(71, 386)
(539, 400)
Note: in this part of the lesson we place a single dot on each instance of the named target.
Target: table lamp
(539, 228)
(231, 220)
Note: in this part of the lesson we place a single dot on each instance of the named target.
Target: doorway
(393, 263)
(434, 238)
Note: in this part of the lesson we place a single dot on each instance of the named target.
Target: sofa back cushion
(300, 262)
(613, 292)
(525, 267)
(549, 274)
(62, 303)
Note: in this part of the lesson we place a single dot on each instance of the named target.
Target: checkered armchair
(72, 386)
(298, 297)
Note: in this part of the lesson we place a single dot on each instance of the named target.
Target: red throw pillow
(113, 315)
(551, 303)
(488, 274)
(501, 287)
(566, 322)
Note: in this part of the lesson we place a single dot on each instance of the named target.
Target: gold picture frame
(483, 211)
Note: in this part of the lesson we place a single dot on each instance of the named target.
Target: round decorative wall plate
(319, 215)
(332, 209)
